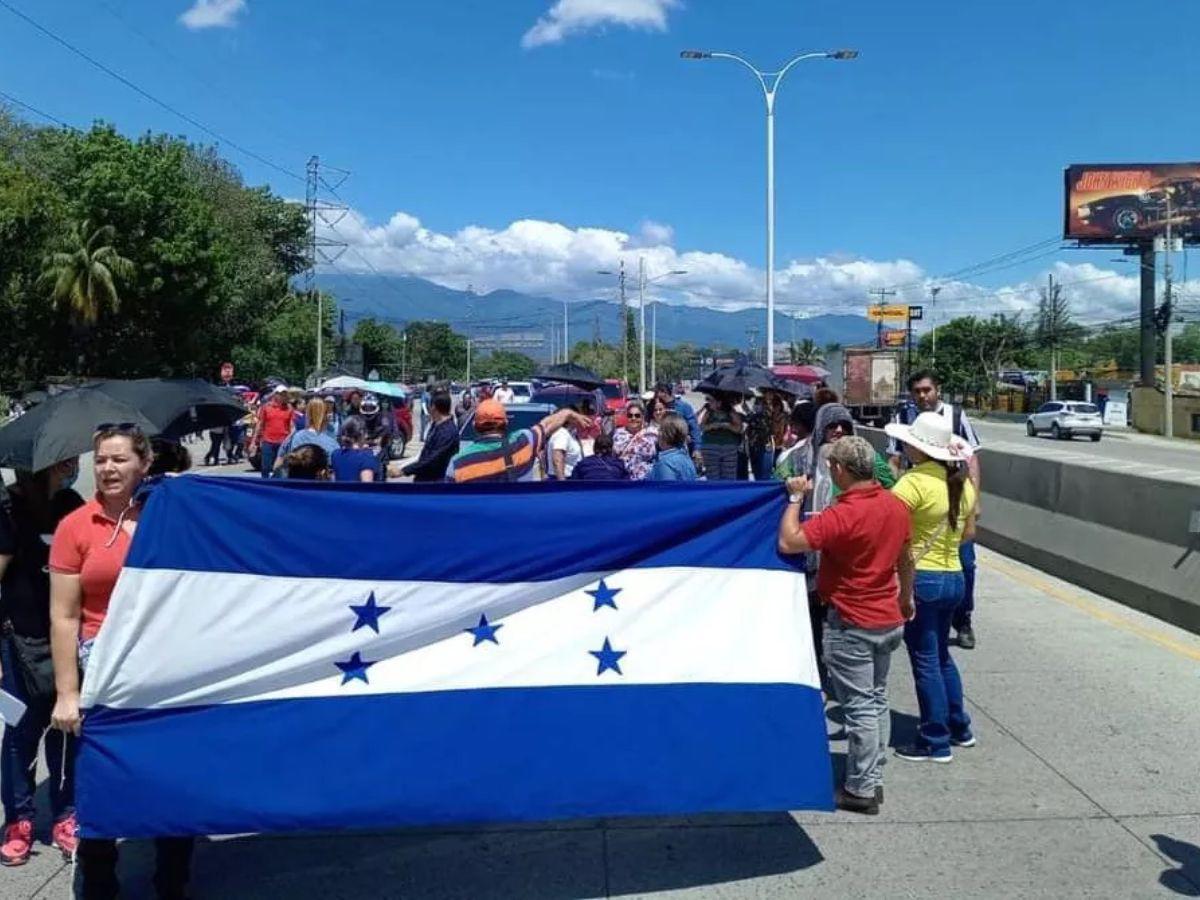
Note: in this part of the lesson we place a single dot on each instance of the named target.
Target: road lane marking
(1086, 606)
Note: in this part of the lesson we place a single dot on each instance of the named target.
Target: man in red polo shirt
(866, 580)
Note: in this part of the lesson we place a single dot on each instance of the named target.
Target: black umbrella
(63, 426)
(571, 373)
(738, 379)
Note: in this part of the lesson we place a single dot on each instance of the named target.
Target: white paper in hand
(11, 709)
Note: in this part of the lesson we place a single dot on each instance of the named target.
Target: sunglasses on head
(119, 427)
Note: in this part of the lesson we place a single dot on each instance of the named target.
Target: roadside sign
(892, 313)
(916, 312)
(894, 338)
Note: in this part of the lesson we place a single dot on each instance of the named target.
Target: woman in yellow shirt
(941, 505)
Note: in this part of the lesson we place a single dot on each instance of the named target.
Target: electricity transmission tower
(322, 250)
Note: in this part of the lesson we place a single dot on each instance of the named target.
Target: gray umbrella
(64, 425)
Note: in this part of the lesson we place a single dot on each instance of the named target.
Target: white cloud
(568, 17)
(213, 14)
(556, 260)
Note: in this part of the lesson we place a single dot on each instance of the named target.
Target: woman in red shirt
(86, 557)
(276, 423)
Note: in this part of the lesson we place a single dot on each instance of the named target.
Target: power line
(37, 112)
(147, 95)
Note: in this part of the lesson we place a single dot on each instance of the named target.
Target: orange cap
(489, 414)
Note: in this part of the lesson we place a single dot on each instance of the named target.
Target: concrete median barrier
(1123, 536)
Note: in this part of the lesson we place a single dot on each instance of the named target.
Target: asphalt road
(1081, 786)
(1118, 449)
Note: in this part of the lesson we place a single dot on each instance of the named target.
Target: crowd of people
(887, 538)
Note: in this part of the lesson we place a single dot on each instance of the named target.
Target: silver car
(1064, 419)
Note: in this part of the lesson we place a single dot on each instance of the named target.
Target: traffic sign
(887, 313)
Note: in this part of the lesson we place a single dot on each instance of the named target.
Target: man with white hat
(924, 390)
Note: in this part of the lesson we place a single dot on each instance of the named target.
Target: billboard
(1118, 203)
(887, 313)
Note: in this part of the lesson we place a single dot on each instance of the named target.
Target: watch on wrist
(795, 498)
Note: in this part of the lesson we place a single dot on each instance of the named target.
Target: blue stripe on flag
(456, 533)
(498, 755)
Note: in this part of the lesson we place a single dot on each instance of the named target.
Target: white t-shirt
(564, 440)
(503, 395)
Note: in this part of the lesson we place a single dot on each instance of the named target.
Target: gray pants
(857, 661)
(720, 462)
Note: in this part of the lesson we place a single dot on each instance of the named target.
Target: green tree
(806, 353)
(434, 350)
(506, 364)
(85, 279)
(382, 344)
(1054, 326)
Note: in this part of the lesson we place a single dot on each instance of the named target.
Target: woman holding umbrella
(722, 428)
(86, 558)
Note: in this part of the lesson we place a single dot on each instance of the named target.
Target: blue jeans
(927, 636)
(269, 454)
(19, 750)
(761, 463)
(962, 615)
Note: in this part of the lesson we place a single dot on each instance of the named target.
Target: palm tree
(806, 353)
(86, 278)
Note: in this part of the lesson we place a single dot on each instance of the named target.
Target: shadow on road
(1186, 879)
(571, 861)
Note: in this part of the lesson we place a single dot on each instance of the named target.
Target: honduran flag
(282, 656)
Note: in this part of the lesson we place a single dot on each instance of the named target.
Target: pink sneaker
(63, 836)
(18, 843)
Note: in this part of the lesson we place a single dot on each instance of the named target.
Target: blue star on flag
(484, 632)
(368, 614)
(609, 658)
(355, 668)
(604, 596)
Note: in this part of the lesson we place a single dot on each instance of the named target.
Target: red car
(616, 396)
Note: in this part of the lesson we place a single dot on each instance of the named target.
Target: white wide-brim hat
(933, 435)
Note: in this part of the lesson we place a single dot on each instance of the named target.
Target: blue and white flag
(283, 655)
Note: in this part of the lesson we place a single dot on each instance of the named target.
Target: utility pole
(1168, 381)
(883, 294)
(1053, 338)
(321, 249)
(468, 360)
(933, 292)
(566, 341)
(404, 358)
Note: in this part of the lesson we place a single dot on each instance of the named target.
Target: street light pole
(642, 323)
(769, 92)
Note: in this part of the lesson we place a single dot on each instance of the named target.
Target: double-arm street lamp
(770, 84)
(642, 282)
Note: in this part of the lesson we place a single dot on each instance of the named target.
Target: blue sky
(942, 146)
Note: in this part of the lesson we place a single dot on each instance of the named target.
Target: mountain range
(513, 320)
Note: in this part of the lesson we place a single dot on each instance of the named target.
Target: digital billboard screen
(1118, 203)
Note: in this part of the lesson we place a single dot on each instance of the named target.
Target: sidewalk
(1082, 785)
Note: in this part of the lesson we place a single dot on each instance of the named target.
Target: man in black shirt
(441, 443)
(29, 512)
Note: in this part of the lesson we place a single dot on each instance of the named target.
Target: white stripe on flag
(206, 637)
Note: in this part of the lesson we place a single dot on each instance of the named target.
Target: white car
(1064, 419)
(522, 391)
